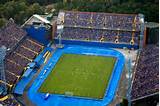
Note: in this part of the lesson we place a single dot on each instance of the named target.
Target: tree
(35, 9)
(19, 10)
(2, 22)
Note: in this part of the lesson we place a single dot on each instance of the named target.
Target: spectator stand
(31, 70)
(119, 30)
(11, 35)
(21, 50)
(9, 100)
(18, 59)
(146, 79)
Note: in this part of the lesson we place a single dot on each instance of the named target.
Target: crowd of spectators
(11, 34)
(10, 101)
(102, 20)
(13, 67)
(146, 81)
(25, 50)
(32, 44)
(20, 57)
(98, 34)
(98, 26)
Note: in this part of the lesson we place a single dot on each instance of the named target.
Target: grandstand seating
(101, 20)
(32, 45)
(9, 101)
(11, 34)
(146, 81)
(14, 67)
(22, 55)
(94, 26)
(24, 50)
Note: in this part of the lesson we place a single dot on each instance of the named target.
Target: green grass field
(79, 75)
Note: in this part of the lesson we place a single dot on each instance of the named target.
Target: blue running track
(59, 100)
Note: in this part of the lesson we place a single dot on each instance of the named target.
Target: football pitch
(79, 75)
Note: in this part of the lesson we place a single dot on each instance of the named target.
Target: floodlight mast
(3, 50)
(129, 80)
(129, 65)
(60, 39)
(60, 27)
(142, 28)
(60, 31)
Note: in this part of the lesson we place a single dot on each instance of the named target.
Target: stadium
(80, 59)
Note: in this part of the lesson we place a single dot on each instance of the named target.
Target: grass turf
(79, 75)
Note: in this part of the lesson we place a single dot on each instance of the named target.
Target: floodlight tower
(2, 70)
(60, 30)
(129, 65)
(142, 28)
(60, 26)
(129, 80)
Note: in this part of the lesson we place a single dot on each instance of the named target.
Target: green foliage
(35, 8)
(83, 5)
(151, 12)
(4, 1)
(2, 22)
(43, 2)
(19, 10)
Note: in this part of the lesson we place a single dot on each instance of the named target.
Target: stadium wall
(97, 44)
(40, 34)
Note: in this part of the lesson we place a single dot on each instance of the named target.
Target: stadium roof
(36, 18)
(152, 25)
(41, 18)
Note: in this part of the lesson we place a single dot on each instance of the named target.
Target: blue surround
(97, 44)
(60, 100)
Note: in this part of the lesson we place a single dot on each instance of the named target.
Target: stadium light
(142, 20)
